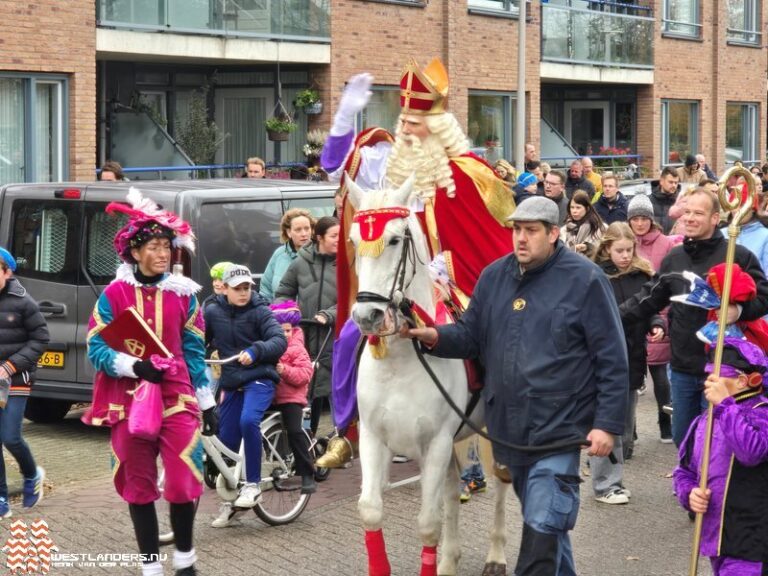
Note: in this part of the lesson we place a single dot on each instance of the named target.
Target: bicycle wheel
(319, 448)
(281, 498)
(210, 472)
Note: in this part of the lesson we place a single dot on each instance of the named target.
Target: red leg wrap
(352, 433)
(378, 564)
(428, 561)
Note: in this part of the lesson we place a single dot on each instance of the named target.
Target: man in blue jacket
(544, 323)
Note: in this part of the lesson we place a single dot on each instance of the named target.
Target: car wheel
(45, 411)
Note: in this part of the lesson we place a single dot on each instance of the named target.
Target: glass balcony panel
(267, 18)
(596, 37)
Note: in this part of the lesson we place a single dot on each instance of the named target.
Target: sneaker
(5, 508)
(465, 493)
(477, 485)
(613, 497)
(227, 516)
(642, 389)
(400, 459)
(249, 496)
(33, 489)
(308, 484)
(625, 491)
(666, 440)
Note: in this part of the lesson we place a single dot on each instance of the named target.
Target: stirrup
(338, 454)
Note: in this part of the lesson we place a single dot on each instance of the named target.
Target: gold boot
(337, 455)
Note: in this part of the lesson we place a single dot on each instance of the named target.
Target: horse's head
(386, 254)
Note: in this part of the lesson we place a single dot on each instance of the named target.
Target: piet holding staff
(731, 438)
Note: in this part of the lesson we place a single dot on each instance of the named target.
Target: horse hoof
(495, 569)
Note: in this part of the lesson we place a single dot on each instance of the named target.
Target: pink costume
(172, 310)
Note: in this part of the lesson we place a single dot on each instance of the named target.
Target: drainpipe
(520, 103)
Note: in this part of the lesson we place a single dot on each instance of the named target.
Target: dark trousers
(297, 439)
(10, 435)
(661, 392)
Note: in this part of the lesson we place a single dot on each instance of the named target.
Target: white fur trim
(205, 397)
(123, 365)
(180, 285)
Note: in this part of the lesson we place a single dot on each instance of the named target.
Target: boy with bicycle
(240, 323)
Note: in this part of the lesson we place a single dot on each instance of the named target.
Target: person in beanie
(735, 502)
(23, 337)
(691, 174)
(295, 369)
(555, 368)
(653, 245)
(527, 186)
(168, 305)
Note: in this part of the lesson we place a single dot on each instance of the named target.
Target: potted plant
(309, 101)
(279, 127)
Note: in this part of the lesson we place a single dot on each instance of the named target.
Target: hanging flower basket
(314, 108)
(279, 128)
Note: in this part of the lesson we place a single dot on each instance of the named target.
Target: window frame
(694, 107)
(752, 24)
(666, 21)
(508, 116)
(31, 162)
(750, 131)
(359, 125)
(481, 7)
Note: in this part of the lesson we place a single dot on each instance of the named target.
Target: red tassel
(428, 561)
(378, 563)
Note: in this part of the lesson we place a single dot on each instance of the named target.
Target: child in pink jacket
(295, 370)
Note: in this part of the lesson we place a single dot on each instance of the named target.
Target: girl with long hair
(617, 257)
(583, 226)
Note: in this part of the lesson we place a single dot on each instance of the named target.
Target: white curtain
(11, 130)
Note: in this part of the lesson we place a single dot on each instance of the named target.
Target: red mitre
(743, 286)
(424, 91)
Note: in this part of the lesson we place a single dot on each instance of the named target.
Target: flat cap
(537, 209)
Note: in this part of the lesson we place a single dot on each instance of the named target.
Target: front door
(587, 126)
(241, 113)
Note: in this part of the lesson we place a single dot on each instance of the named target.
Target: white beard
(427, 159)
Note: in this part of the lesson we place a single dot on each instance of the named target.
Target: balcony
(288, 20)
(609, 34)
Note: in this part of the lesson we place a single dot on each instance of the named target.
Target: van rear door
(41, 225)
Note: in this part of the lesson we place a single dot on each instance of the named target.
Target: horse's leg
(496, 561)
(451, 546)
(433, 469)
(374, 462)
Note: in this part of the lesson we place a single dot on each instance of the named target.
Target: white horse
(401, 410)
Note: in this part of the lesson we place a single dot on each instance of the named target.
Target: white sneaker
(625, 491)
(400, 459)
(249, 496)
(227, 516)
(613, 497)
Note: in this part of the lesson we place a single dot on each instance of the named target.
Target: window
(242, 232)
(741, 129)
(744, 21)
(494, 6)
(679, 130)
(32, 129)
(45, 239)
(383, 109)
(681, 18)
(318, 207)
(490, 124)
(101, 260)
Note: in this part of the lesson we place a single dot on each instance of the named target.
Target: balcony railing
(597, 33)
(296, 20)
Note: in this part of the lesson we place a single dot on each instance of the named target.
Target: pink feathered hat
(146, 220)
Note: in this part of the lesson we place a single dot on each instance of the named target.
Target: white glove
(355, 97)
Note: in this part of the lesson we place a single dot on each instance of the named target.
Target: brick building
(660, 78)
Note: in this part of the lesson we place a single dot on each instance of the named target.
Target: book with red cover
(129, 333)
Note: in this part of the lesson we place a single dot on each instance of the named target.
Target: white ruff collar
(180, 285)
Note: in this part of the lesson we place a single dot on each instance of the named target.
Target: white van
(62, 240)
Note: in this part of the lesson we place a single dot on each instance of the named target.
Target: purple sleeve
(684, 481)
(335, 150)
(686, 475)
(745, 428)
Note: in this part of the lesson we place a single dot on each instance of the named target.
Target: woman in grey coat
(311, 281)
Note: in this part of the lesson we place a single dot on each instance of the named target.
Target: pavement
(648, 537)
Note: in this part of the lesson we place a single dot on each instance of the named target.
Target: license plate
(51, 360)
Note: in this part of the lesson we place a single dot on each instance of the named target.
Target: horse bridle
(396, 300)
